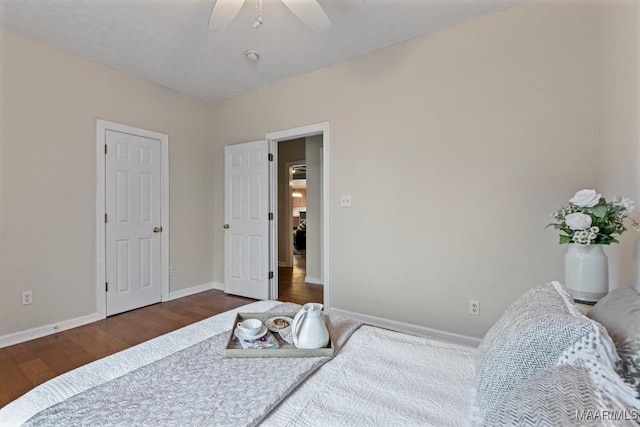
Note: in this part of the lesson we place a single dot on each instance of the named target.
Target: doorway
(294, 282)
(301, 273)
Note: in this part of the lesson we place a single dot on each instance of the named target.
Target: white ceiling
(167, 41)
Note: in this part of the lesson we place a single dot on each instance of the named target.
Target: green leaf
(565, 239)
(599, 211)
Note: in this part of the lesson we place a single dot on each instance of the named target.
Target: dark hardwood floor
(24, 366)
(291, 284)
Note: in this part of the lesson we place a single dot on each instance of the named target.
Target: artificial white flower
(586, 198)
(578, 221)
(582, 237)
(586, 237)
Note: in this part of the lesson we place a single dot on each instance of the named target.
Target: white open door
(246, 212)
(132, 221)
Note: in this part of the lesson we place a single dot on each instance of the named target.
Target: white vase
(586, 272)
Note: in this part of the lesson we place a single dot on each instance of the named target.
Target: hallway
(291, 285)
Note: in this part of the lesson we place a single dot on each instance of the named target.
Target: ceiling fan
(308, 11)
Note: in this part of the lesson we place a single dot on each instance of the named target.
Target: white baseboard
(42, 331)
(313, 280)
(283, 264)
(409, 328)
(181, 293)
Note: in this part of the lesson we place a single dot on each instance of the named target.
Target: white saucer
(260, 334)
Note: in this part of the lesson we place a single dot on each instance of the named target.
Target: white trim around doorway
(302, 132)
(101, 127)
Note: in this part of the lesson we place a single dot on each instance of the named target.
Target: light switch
(345, 201)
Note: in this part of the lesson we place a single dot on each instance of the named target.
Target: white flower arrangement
(590, 219)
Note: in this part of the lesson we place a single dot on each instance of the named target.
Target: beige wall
(478, 131)
(618, 47)
(50, 101)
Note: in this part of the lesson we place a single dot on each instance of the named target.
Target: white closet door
(133, 226)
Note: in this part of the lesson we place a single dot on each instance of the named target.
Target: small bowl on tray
(278, 323)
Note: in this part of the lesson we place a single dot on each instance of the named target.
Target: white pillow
(529, 338)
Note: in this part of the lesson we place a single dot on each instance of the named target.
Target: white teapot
(308, 329)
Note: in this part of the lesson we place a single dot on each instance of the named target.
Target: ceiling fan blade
(223, 13)
(309, 12)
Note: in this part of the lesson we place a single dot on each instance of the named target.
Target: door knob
(157, 229)
(225, 226)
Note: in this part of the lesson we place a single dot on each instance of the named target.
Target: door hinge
(271, 275)
(270, 216)
(105, 148)
(106, 286)
(105, 218)
(270, 157)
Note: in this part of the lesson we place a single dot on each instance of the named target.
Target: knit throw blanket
(196, 386)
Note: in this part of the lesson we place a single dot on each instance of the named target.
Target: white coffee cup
(249, 327)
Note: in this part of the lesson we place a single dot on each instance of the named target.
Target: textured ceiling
(167, 41)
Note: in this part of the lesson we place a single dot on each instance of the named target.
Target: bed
(543, 363)
(376, 377)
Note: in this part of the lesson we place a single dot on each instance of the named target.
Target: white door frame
(101, 129)
(274, 138)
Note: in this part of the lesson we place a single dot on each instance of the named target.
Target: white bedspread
(379, 377)
(385, 378)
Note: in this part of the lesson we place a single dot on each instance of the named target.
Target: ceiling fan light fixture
(308, 11)
(252, 56)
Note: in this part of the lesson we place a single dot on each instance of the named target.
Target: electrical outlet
(170, 270)
(345, 201)
(474, 307)
(27, 297)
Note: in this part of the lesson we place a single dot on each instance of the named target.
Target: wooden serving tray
(235, 349)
